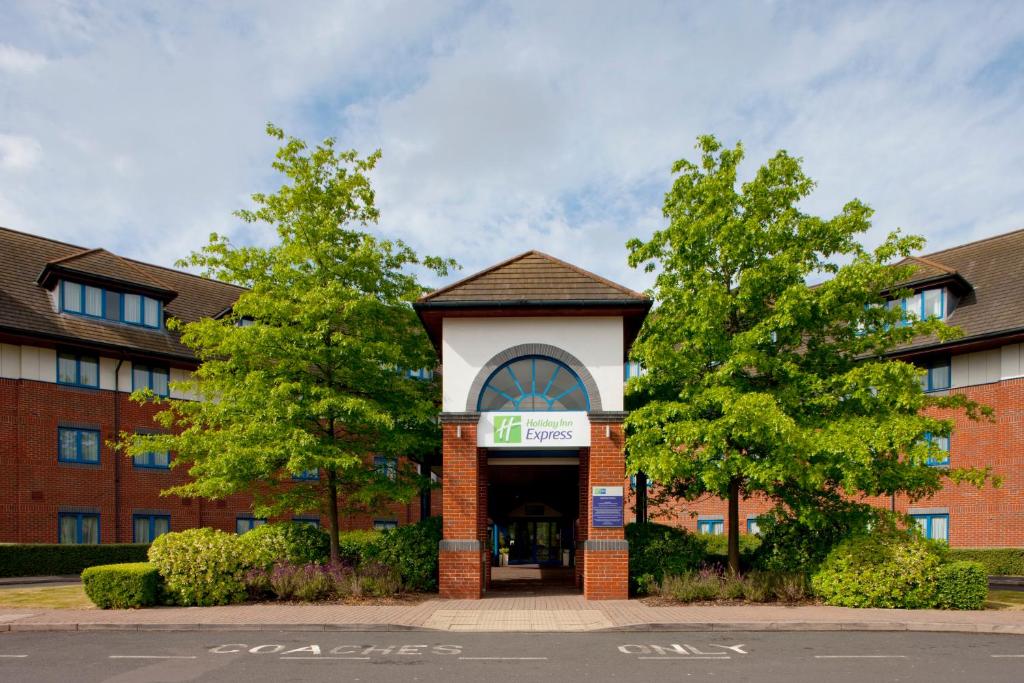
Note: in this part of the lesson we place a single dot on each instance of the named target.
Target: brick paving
(513, 613)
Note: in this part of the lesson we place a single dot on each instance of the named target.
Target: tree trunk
(734, 525)
(332, 512)
(641, 497)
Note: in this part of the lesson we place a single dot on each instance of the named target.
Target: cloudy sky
(504, 126)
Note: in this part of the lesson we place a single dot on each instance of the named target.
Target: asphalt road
(257, 656)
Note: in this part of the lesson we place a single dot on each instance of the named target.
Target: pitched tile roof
(993, 269)
(27, 309)
(533, 277)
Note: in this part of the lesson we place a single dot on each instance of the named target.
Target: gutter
(117, 456)
(528, 303)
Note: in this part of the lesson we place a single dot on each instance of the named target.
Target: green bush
(997, 561)
(412, 551)
(200, 566)
(284, 542)
(657, 551)
(962, 585)
(714, 584)
(46, 559)
(355, 546)
(133, 584)
(800, 544)
(881, 569)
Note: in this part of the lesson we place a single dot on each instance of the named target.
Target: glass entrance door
(535, 541)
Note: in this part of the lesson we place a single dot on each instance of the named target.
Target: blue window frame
(78, 370)
(307, 475)
(753, 525)
(153, 460)
(533, 383)
(78, 445)
(151, 377)
(384, 524)
(386, 465)
(928, 303)
(146, 527)
(96, 302)
(633, 369)
(715, 527)
(247, 523)
(424, 374)
(76, 528)
(938, 374)
(632, 482)
(934, 525)
(942, 444)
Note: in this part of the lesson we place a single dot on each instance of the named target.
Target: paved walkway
(509, 613)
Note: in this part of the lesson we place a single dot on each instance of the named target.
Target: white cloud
(18, 152)
(17, 61)
(509, 126)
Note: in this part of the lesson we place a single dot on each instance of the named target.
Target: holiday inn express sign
(533, 430)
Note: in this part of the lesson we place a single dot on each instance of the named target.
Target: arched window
(533, 383)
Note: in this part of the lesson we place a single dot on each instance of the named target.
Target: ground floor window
(753, 527)
(715, 527)
(384, 524)
(934, 526)
(311, 521)
(243, 524)
(145, 528)
(78, 527)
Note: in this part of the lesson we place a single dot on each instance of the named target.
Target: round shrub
(962, 585)
(121, 586)
(200, 566)
(411, 551)
(284, 542)
(880, 569)
(792, 543)
(355, 546)
(657, 551)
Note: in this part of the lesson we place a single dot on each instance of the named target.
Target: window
(753, 527)
(533, 383)
(95, 302)
(386, 466)
(243, 524)
(310, 521)
(150, 377)
(942, 444)
(632, 482)
(79, 371)
(930, 303)
(423, 374)
(78, 445)
(78, 527)
(384, 524)
(934, 525)
(307, 475)
(715, 527)
(145, 528)
(937, 376)
(633, 369)
(156, 460)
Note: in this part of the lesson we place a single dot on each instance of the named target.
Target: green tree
(306, 373)
(759, 383)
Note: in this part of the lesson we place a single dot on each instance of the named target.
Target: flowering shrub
(312, 582)
(200, 566)
(711, 583)
(284, 542)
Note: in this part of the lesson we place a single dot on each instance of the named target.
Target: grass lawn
(1005, 600)
(49, 597)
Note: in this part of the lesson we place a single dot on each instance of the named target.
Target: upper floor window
(533, 383)
(154, 460)
(386, 466)
(77, 370)
(937, 374)
(930, 303)
(633, 369)
(96, 302)
(78, 445)
(150, 377)
(307, 475)
(941, 444)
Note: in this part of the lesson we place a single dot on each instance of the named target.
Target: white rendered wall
(468, 343)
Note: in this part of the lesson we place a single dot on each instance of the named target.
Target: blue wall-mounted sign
(606, 506)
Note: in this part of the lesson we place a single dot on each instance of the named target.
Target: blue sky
(504, 126)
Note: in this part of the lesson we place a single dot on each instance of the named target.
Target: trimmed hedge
(51, 559)
(412, 551)
(121, 586)
(284, 542)
(354, 546)
(658, 550)
(962, 585)
(997, 561)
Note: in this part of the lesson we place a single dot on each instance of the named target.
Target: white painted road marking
(689, 657)
(992, 655)
(152, 657)
(317, 659)
(499, 658)
(677, 651)
(14, 656)
(860, 656)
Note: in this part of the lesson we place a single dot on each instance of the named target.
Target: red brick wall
(989, 517)
(462, 573)
(35, 486)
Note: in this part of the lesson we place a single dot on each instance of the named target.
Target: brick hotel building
(534, 352)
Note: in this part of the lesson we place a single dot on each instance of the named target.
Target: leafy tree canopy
(757, 381)
(306, 372)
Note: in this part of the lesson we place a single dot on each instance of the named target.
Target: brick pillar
(605, 551)
(464, 509)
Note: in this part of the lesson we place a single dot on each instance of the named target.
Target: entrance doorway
(533, 510)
